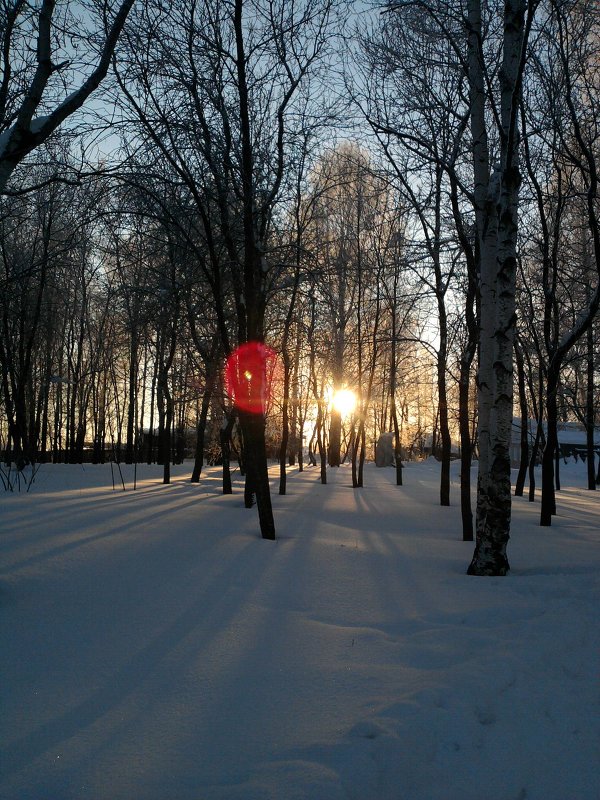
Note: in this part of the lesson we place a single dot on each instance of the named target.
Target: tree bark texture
(497, 218)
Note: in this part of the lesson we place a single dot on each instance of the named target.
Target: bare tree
(496, 187)
(413, 96)
(216, 99)
(561, 259)
(476, 43)
(41, 86)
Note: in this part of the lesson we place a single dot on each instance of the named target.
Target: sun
(344, 402)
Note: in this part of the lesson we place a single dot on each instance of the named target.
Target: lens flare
(249, 376)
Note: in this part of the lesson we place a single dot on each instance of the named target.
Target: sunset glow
(344, 401)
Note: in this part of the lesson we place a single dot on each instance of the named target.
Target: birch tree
(496, 189)
(487, 42)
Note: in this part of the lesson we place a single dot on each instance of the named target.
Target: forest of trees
(399, 199)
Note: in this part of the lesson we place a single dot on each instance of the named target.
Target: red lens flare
(249, 376)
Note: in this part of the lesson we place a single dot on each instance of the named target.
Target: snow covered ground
(155, 648)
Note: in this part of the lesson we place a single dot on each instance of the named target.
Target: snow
(154, 647)
(35, 127)
(4, 137)
(38, 123)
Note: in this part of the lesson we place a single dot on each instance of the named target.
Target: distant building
(572, 439)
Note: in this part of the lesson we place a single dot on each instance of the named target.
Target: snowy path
(153, 648)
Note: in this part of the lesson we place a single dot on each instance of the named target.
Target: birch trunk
(497, 229)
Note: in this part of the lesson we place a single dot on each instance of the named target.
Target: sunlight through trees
(402, 207)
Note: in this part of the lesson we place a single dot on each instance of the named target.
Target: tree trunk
(548, 506)
(466, 454)
(249, 483)
(442, 356)
(397, 445)
(296, 432)
(132, 398)
(589, 410)
(524, 433)
(533, 460)
(200, 432)
(321, 445)
(253, 430)
(392, 387)
(354, 447)
(445, 438)
(165, 419)
(285, 429)
(225, 439)
(152, 412)
(497, 229)
(363, 454)
(335, 438)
